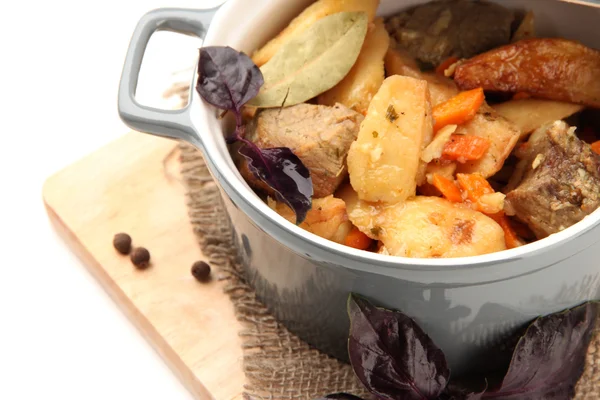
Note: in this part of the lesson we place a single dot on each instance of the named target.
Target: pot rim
(203, 118)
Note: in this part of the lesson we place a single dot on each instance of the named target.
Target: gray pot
(467, 305)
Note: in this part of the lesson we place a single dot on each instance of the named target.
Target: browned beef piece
(319, 135)
(559, 180)
(462, 28)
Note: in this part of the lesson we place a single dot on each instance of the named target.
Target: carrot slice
(521, 95)
(458, 109)
(357, 239)
(474, 185)
(463, 148)
(596, 147)
(448, 188)
(510, 236)
(445, 65)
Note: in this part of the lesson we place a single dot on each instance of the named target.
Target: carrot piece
(521, 95)
(459, 109)
(510, 236)
(474, 185)
(357, 239)
(445, 65)
(463, 148)
(448, 188)
(596, 146)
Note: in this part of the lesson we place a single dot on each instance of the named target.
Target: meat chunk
(319, 135)
(559, 180)
(555, 69)
(462, 28)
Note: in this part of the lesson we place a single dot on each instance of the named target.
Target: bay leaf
(312, 62)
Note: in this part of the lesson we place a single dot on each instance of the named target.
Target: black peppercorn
(140, 257)
(122, 243)
(201, 271)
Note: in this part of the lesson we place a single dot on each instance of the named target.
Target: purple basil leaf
(227, 78)
(392, 356)
(549, 359)
(284, 172)
(340, 396)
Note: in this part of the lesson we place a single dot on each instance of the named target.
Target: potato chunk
(310, 15)
(327, 217)
(530, 114)
(428, 227)
(384, 162)
(502, 135)
(366, 76)
(554, 69)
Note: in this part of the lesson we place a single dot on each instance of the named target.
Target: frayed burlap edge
(277, 364)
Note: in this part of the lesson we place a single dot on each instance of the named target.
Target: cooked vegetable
(526, 29)
(357, 239)
(530, 114)
(399, 62)
(457, 110)
(327, 218)
(319, 135)
(555, 69)
(463, 148)
(448, 188)
(384, 162)
(441, 167)
(474, 185)
(428, 227)
(510, 235)
(434, 31)
(596, 146)
(307, 18)
(502, 135)
(312, 62)
(227, 79)
(366, 76)
(560, 180)
(435, 149)
(441, 69)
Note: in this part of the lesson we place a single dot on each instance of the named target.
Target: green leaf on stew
(314, 61)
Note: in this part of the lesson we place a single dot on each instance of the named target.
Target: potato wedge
(502, 135)
(428, 227)
(327, 217)
(399, 62)
(384, 162)
(366, 76)
(530, 114)
(555, 69)
(311, 14)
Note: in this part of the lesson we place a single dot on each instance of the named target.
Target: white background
(60, 62)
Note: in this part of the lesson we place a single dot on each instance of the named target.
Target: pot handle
(174, 124)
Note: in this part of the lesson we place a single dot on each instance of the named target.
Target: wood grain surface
(124, 187)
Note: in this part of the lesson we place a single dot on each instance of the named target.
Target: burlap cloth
(277, 364)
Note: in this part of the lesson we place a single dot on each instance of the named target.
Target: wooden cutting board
(124, 187)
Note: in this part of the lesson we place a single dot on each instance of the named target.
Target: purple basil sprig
(228, 79)
(392, 356)
(396, 360)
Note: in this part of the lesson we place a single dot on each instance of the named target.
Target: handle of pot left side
(174, 124)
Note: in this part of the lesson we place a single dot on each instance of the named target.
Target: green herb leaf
(314, 61)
